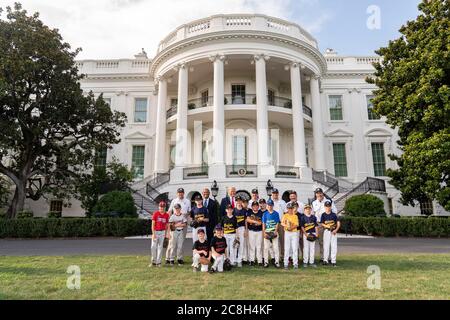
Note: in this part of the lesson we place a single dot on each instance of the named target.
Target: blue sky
(120, 28)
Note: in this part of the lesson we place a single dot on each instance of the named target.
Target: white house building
(240, 100)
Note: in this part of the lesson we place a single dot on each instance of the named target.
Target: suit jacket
(223, 205)
(212, 211)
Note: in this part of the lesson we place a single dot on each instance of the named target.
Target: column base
(217, 171)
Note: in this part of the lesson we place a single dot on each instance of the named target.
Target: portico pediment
(138, 135)
(378, 132)
(339, 133)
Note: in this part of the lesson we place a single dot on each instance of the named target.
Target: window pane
(340, 160)
(140, 110)
(379, 162)
(271, 97)
(372, 115)
(238, 94)
(335, 107)
(56, 206)
(205, 98)
(137, 161)
(239, 150)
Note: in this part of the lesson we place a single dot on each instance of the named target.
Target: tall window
(271, 97)
(238, 93)
(335, 107)
(100, 158)
(137, 161)
(239, 150)
(56, 206)
(379, 161)
(140, 110)
(371, 114)
(340, 160)
(205, 98)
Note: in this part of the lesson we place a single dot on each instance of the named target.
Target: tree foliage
(49, 128)
(414, 95)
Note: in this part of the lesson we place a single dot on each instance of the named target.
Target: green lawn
(408, 276)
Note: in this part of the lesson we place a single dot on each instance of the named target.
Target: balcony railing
(248, 99)
(242, 171)
(195, 172)
(287, 172)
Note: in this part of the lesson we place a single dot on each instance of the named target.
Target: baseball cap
(162, 204)
(255, 203)
(270, 202)
(177, 206)
(275, 190)
(292, 192)
(218, 227)
(289, 205)
(229, 206)
(262, 201)
(238, 198)
(255, 191)
(198, 197)
(307, 206)
(294, 204)
(180, 190)
(200, 231)
(327, 203)
(318, 190)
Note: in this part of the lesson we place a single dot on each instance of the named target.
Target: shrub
(54, 214)
(364, 205)
(73, 227)
(24, 214)
(119, 202)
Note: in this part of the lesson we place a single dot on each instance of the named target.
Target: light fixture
(214, 189)
(269, 188)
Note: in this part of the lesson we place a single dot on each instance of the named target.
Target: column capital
(217, 57)
(181, 65)
(259, 56)
(294, 64)
(316, 77)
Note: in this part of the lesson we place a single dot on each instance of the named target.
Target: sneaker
(244, 262)
(172, 263)
(194, 269)
(295, 266)
(212, 270)
(333, 264)
(324, 263)
(180, 262)
(277, 265)
(260, 264)
(250, 264)
(329, 261)
(272, 260)
(239, 265)
(158, 265)
(266, 265)
(167, 261)
(305, 265)
(313, 265)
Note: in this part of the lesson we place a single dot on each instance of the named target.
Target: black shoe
(272, 261)
(167, 261)
(250, 263)
(329, 261)
(244, 262)
(324, 263)
(333, 264)
(212, 270)
(260, 264)
(172, 263)
(266, 265)
(180, 261)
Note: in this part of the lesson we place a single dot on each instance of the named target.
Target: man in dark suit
(229, 199)
(211, 205)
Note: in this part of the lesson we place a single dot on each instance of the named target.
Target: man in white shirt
(185, 210)
(293, 198)
(318, 206)
(279, 205)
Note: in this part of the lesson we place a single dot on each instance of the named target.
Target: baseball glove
(270, 235)
(204, 261)
(172, 227)
(311, 237)
(194, 224)
(227, 265)
(165, 243)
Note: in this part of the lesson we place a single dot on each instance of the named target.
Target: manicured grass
(408, 276)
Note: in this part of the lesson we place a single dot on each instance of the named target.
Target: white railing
(339, 62)
(107, 64)
(233, 22)
(112, 66)
(367, 60)
(335, 60)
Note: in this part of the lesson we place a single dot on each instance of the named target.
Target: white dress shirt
(184, 203)
(319, 208)
(280, 207)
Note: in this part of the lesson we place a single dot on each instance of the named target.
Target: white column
(217, 168)
(197, 143)
(160, 139)
(298, 127)
(182, 136)
(319, 146)
(262, 117)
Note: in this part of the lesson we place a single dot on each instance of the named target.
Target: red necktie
(232, 202)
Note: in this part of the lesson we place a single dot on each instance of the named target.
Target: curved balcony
(229, 100)
(233, 22)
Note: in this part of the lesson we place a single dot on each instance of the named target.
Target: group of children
(248, 234)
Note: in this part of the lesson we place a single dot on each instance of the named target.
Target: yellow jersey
(290, 220)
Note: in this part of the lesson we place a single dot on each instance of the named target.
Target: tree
(4, 191)
(114, 177)
(49, 128)
(414, 95)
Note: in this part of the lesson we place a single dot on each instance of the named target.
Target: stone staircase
(146, 195)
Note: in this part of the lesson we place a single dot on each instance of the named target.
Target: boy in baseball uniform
(271, 220)
(160, 231)
(290, 223)
(200, 217)
(200, 250)
(218, 250)
(229, 224)
(241, 213)
(254, 230)
(177, 222)
(331, 224)
(309, 227)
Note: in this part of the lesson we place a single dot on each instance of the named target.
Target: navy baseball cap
(318, 190)
(218, 227)
(200, 231)
(275, 190)
(289, 205)
(229, 206)
(177, 206)
(327, 203)
(270, 202)
(198, 197)
(255, 203)
(180, 190)
(255, 191)
(262, 201)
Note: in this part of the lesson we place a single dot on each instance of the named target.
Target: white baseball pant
(291, 246)
(329, 246)
(274, 249)
(242, 253)
(218, 262)
(195, 234)
(196, 263)
(157, 247)
(255, 244)
(176, 243)
(309, 249)
(231, 252)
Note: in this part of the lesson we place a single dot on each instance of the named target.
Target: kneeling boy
(201, 252)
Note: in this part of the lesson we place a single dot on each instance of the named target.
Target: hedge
(397, 227)
(73, 227)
